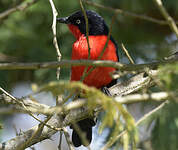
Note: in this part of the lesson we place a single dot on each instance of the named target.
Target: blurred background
(26, 36)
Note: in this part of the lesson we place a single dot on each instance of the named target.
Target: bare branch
(38, 108)
(67, 136)
(21, 104)
(134, 84)
(126, 13)
(169, 19)
(36, 134)
(133, 98)
(127, 53)
(159, 96)
(97, 63)
(55, 13)
(60, 141)
(46, 133)
(19, 7)
(88, 43)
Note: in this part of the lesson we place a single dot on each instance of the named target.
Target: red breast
(101, 75)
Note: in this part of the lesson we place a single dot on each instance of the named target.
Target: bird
(99, 77)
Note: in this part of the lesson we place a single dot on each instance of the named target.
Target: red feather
(101, 75)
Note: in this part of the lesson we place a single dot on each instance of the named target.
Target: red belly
(98, 77)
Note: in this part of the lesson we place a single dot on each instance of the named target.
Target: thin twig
(55, 13)
(111, 142)
(127, 13)
(19, 7)
(87, 36)
(105, 46)
(169, 19)
(35, 134)
(108, 37)
(27, 110)
(60, 141)
(127, 53)
(86, 24)
(14, 143)
(67, 136)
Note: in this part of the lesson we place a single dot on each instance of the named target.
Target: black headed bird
(100, 76)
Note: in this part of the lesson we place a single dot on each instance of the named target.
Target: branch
(73, 115)
(127, 54)
(97, 63)
(46, 133)
(55, 13)
(169, 19)
(19, 7)
(14, 143)
(159, 96)
(69, 142)
(36, 134)
(133, 98)
(127, 13)
(33, 106)
(135, 83)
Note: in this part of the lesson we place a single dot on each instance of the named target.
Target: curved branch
(169, 19)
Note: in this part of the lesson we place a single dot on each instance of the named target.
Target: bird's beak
(63, 20)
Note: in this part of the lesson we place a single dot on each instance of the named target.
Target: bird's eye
(78, 21)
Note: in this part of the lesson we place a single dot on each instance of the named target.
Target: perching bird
(100, 76)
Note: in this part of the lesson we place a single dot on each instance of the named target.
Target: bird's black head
(96, 23)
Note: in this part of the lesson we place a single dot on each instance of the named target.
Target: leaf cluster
(164, 135)
(115, 113)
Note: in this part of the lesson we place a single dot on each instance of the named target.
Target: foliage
(164, 136)
(169, 76)
(164, 133)
(114, 110)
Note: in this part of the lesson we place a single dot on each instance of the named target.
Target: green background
(26, 36)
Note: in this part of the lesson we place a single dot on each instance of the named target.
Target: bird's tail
(86, 127)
